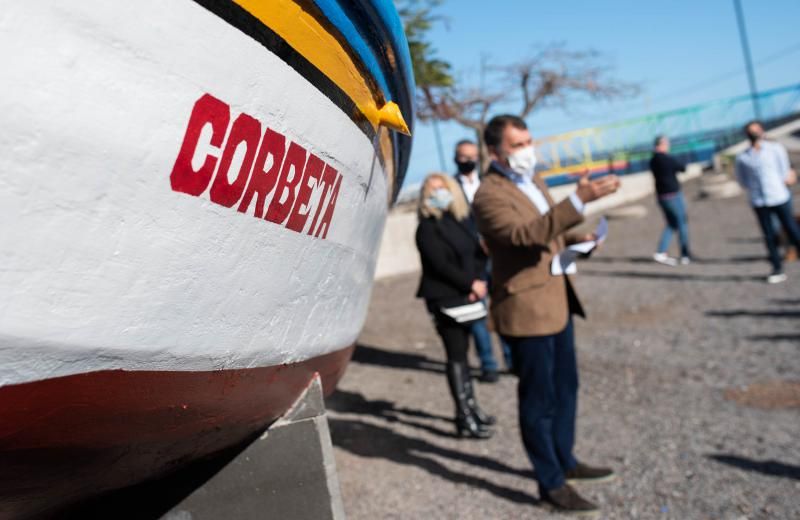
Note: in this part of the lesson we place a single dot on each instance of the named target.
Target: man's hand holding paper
(564, 262)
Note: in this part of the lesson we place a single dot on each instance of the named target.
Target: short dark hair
(493, 133)
(465, 141)
(752, 122)
(658, 139)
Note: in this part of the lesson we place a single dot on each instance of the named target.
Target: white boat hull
(104, 264)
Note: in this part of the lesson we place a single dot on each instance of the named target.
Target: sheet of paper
(601, 232)
(582, 247)
(564, 262)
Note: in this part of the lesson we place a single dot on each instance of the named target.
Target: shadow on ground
(350, 402)
(767, 467)
(775, 337)
(371, 355)
(695, 260)
(374, 441)
(741, 313)
(672, 275)
(786, 301)
(745, 240)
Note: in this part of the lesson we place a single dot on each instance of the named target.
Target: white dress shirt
(470, 184)
(532, 191)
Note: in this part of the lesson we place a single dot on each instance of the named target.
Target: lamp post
(439, 149)
(751, 77)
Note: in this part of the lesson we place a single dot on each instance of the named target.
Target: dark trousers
(784, 214)
(454, 335)
(548, 402)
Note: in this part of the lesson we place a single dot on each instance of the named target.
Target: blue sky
(673, 49)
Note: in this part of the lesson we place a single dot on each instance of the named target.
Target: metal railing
(697, 132)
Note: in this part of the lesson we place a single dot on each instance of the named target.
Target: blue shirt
(532, 191)
(763, 174)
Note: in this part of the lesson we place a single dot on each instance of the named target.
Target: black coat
(452, 258)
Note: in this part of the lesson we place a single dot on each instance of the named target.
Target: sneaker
(663, 258)
(584, 473)
(776, 278)
(566, 500)
(686, 260)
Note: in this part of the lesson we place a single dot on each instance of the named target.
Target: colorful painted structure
(192, 197)
(697, 133)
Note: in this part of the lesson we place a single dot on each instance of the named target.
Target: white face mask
(440, 198)
(523, 161)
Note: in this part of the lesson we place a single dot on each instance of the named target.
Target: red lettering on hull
(264, 165)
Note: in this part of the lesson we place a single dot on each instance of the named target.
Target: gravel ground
(689, 389)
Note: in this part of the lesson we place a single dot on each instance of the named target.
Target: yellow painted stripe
(317, 45)
(578, 168)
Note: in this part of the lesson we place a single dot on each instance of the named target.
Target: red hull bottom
(68, 438)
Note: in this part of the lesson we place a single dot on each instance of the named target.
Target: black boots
(471, 421)
(480, 416)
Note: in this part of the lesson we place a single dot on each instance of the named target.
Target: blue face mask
(440, 199)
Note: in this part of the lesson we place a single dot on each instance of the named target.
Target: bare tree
(553, 76)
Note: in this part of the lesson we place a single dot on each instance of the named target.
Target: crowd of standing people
(489, 246)
(514, 222)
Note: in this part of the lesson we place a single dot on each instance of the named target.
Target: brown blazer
(526, 299)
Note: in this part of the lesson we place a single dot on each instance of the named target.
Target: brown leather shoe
(566, 500)
(584, 473)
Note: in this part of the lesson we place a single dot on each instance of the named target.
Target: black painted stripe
(239, 18)
(313, 9)
(372, 27)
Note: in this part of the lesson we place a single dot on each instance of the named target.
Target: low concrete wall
(398, 254)
(788, 135)
(634, 187)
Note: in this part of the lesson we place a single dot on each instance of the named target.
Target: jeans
(548, 402)
(483, 344)
(674, 208)
(785, 215)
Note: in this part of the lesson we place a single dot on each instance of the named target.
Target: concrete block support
(288, 472)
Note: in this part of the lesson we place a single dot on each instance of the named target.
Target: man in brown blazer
(524, 230)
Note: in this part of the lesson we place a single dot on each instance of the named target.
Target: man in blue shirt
(764, 172)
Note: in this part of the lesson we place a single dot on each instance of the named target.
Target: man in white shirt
(466, 159)
(764, 172)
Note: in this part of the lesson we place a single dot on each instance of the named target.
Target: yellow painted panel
(317, 45)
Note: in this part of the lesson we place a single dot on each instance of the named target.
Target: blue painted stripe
(388, 14)
(381, 25)
(375, 32)
(336, 15)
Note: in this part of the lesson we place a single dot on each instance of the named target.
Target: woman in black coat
(453, 263)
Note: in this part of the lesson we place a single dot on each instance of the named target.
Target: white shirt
(763, 174)
(470, 184)
(532, 191)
